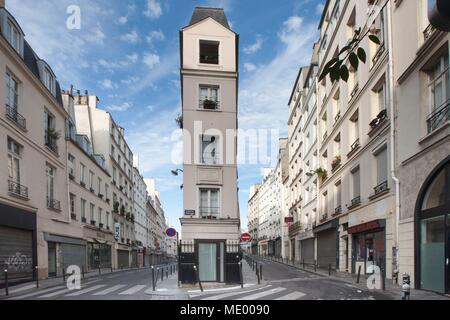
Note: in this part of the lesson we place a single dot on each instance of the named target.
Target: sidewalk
(392, 290)
(53, 282)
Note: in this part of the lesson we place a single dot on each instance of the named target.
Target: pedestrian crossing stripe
(110, 290)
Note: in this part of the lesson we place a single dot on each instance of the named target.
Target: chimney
(2, 3)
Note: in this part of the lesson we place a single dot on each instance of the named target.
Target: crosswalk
(265, 293)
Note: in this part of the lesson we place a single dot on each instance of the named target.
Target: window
(14, 151)
(82, 173)
(439, 83)
(83, 208)
(209, 97)
(209, 150)
(356, 182)
(99, 185)
(209, 52)
(13, 35)
(107, 220)
(106, 191)
(12, 92)
(50, 182)
(49, 80)
(49, 129)
(325, 203)
(91, 180)
(114, 174)
(100, 215)
(338, 195)
(354, 130)
(71, 165)
(72, 204)
(113, 151)
(382, 166)
(92, 213)
(209, 203)
(380, 92)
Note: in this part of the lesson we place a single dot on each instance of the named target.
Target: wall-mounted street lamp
(176, 172)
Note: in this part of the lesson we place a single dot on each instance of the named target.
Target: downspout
(396, 180)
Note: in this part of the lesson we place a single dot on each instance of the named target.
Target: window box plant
(122, 211)
(322, 174)
(209, 104)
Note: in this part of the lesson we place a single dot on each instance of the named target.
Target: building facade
(253, 217)
(209, 77)
(141, 218)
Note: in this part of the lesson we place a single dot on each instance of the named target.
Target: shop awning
(369, 226)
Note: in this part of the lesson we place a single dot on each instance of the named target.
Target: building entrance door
(52, 259)
(211, 260)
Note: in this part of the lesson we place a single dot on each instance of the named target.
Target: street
(280, 282)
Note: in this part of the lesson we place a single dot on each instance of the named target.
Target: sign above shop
(189, 212)
(369, 226)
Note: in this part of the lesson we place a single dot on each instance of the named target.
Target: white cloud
(130, 80)
(123, 20)
(107, 84)
(130, 37)
(255, 47)
(119, 108)
(155, 35)
(249, 67)
(151, 60)
(154, 9)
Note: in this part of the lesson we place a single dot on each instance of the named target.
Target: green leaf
(374, 39)
(353, 58)
(344, 73)
(344, 49)
(324, 74)
(335, 73)
(362, 55)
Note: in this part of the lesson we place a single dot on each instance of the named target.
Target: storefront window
(436, 195)
(433, 254)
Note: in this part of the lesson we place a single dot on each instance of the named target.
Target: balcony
(71, 177)
(380, 190)
(294, 229)
(83, 219)
(17, 118)
(354, 91)
(209, 213)
(337, 211)
(93, 222)
(378, 122)
(73, 216)
(356, 202)
(17, 190)
(337, 118)
(51, 143)
(428, 32)
(209, 104)
(324, 218)
(92, 190)
(53, 204)
(438, 118)
(354, 148)
(336, 164)
(378, 54)
(325, 136)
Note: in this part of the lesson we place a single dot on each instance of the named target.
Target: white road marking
(35, 293)
(292, 296)
(262, 294)
(79, 293)
(53, 294)
(31, 286)
(247, 285)
(133, 290)
(231, 294)
(110, 290)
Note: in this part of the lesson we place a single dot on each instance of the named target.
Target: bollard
(359, 274)
(383, 279)
(162, 273)
(257, 275)
(153, 278)
(315, 266)
(167, 273)
(64, 274)
(329, 270)
(99, 269)
(303, 263)
(36, 272)
(6, 283)
(241, 274)
(260, 271)
(82, 271)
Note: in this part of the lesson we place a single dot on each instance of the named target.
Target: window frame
(219, 201)
(219, 47)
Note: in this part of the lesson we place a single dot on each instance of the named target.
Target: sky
(127, 53)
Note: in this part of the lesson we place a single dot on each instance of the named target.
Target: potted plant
(336, 162)
(209, 104)
(52, 134)
(128, 216)
(322, 173)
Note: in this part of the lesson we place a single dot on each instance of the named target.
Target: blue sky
(127, 53)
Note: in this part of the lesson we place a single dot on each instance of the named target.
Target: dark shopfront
(99, 255)
(327, 244)
(369, 246)
(433, 232)
(17, 244)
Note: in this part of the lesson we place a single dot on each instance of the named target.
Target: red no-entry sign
(246, 237)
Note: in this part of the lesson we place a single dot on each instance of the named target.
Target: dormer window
(14, 36)
(49, 80)
(209, 52)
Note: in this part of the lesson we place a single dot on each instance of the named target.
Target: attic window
(209, 52)
(14, 36)
(49, 80)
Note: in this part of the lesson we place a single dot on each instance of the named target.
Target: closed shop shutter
(327, 248)
(73, 255)
(123, 258)
(16, 254)
(307, 251)
(134, 258)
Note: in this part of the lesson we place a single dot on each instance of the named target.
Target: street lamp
(175, 172)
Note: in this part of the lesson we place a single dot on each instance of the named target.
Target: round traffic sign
(171, 232)
(246, 237)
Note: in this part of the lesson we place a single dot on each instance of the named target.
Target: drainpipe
(392, 133)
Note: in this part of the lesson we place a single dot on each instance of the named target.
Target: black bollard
(359, 274)
(315, 266)
(241, 274)
(162, 274)
(36, 273)
(99, 269)
(64, 274)
(260, 271)
(6, 283)
(153, 278)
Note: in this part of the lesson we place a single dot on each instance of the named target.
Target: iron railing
(382, 187)
(354, 91)
(355, 202)
(378, 54)
(209, 104)
(324, 217)
(439, 117)
(428, 32)
(51, 143)
(338, 210)
(354, 147)
(206, 212)
(53, 204)
(295, 228)
(17, 189)
(13, 115)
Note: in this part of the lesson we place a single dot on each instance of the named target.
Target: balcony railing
(295, 228)
(336, 164)
(355, 202)
(53, 204)
(209, 212)
(354, 147)
(337, 118)
(16, 189)
(51, 143)
(378, 121)
(209, 104)
(354, 91)
(381, 188)
(17, 118)
(325, 136)
(324, 217)
(428, 32)
(378, 54)
(338, 211)
(439, 117)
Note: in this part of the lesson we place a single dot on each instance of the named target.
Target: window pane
(382, 167)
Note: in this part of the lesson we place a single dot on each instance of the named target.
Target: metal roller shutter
(73, 255)
(123, 259)
(327, 248)
(16, 254)
(307, 251)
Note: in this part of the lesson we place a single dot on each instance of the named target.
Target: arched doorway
(433, 232)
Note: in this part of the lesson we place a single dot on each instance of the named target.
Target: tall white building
(141, 218)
